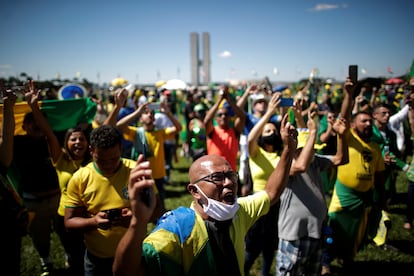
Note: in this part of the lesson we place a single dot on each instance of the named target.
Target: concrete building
(196, 63)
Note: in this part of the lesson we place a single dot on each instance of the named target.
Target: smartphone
(286, 101)
(353, 73)
(114, 214)
(154, 106)
(146, 193)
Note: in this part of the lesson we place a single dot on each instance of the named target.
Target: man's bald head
(206, 165)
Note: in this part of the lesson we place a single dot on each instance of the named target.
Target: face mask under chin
(218, 210)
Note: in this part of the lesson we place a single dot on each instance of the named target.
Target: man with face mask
(208, 238)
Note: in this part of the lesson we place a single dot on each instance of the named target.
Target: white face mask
(218, 210)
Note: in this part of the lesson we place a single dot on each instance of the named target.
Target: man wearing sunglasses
(208, 237)
(223, 138)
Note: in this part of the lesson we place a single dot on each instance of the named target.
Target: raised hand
(140, 179)
(274, 102)
(349, 87)
(9, 97)
(340, 126)
(288, 134)
(31, 95)
(311, 124)
(121, 97)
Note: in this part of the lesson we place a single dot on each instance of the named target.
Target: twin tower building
(200, 67)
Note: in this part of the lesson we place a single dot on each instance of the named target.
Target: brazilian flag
(61, 114)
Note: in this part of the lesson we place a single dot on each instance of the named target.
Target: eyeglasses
(222, 114)
(218, 178)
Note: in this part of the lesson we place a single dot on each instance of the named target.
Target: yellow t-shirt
(364, 160)
(65, 167)
(155, 141)
(89, 189)
(261, 166)
(251, 209)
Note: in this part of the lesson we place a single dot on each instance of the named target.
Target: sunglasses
(218, 178)
(222, 114)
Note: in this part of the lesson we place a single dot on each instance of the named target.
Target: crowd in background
(240, 123)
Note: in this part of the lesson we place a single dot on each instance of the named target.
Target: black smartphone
(146, 193)
(286, 101)
(113, 214)
(353, 73)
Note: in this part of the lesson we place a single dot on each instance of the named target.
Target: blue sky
(145, 41)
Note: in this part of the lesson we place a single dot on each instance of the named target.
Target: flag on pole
(61, 114)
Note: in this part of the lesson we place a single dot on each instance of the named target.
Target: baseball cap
(259, 98)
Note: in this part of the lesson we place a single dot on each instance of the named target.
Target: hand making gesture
(288, 134)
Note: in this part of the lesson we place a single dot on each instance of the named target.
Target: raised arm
(297, 111)
(32, 98)
(120, 98)
(399, 116)
(164, 109)
(256, 131)
(346, 106)
(127, 120)
(324, 136)
(280, 175)
(208, 119)
(241, 102)
(304, 159)
(128, 256)
(6, 143)
(341, 128)
(240, 115)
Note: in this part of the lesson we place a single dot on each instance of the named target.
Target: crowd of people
(267, 179)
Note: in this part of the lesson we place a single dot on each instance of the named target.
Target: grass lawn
(370, 261)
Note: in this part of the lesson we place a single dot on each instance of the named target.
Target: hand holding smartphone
(113, 214)
(154, 106)
(353, 73)
(286, 101)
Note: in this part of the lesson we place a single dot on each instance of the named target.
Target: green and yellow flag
(61, 114)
